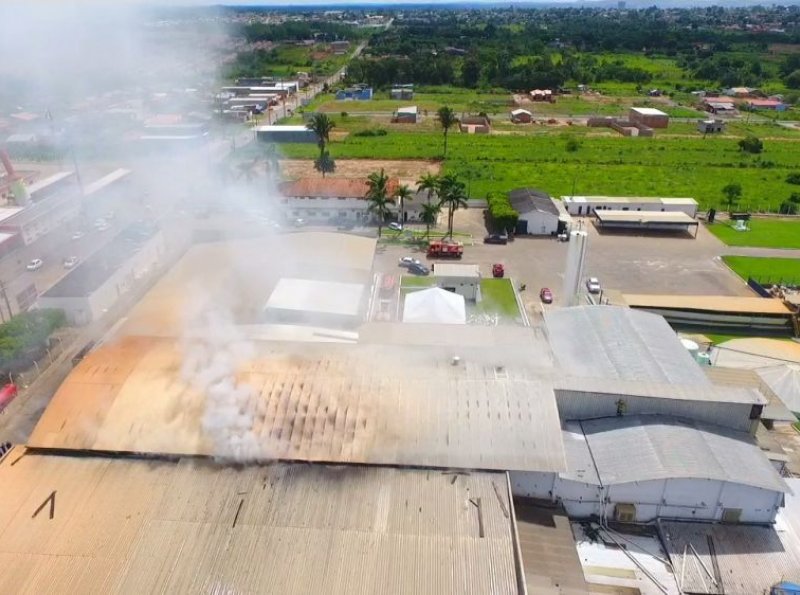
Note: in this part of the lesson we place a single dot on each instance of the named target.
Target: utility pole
(8, 303)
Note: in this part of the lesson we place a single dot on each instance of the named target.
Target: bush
(503, 215)
(573, 144)
(788, 207)
(371, 132)
(751, 144)
(25, 336)
(793, 178)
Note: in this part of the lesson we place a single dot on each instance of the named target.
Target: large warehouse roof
(137, 526)
(615, 342)
(305, 295)
(633, 448)
(339, 403)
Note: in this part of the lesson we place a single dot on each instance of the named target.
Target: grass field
(765, 270)
(764, 233)
(613, 165)
(498, 298)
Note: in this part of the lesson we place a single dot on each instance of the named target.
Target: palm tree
(402, 194)
(428, 183)
(378, 197)
(325, 164)
(321, 125)
(430, 212)
(453, 195)
(447, 119)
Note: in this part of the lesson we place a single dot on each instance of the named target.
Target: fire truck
(439, 249)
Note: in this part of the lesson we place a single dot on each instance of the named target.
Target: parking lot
(624, 262)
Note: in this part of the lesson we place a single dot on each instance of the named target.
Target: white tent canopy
(435, 305)
(784, 380)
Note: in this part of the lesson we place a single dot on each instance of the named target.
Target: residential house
(521, 116)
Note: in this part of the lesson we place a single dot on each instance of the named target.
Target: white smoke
(214, 351)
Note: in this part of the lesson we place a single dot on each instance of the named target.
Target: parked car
(101, 224)
(593, 285)
(418, 269)
(546, 295)
(563, 237)
(406, 261)
(35, 264)
(77, 235)
(498, 270)
(395, 226)
(299, 222)
(496, 238)
(7, 394)
(70, 262)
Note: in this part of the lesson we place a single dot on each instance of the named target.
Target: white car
(70, 262)
(407, 261)
(77, 235)
(593, 285)
(101, 225)
(394, 226)
(35, 264)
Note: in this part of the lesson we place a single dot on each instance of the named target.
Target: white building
(331, 200)
(539, 213)
(587, 205)
(463, 279)
(316, 303)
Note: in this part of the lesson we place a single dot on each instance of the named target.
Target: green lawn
(764, 233)
(498, 298)
(765, 270)
(416, 281)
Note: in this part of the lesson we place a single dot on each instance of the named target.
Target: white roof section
(49, 181)
(436, 306)
(9, 212)
(614, 342)
(328, 297)
(620, 216)
(629, 199)
(283, 128)
(784, 380)
(520, 111)
(444, 269)
(648, 111)
(105, 181)
(637, 448)
(412, 109)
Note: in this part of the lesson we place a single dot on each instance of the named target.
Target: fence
(58, 344)
(760, 284)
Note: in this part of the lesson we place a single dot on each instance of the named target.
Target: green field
(613, 165)
(765, 270)
(498, 298)
(763, 233)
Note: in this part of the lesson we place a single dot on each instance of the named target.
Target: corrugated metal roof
(751, 559)
(714, 303)
(742, 377)
(633, 448)
(447, 269)
(580, 466)
(661, 390)
(615, 342)
(784, 381)
(332, 403)
(133, 526)
(613, 215)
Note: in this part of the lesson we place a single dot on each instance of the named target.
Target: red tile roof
(331, 187)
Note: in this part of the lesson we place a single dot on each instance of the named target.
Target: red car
(546, 295)
(7, 394)
(498, 270)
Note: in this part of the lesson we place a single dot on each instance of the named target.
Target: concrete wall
(466, 286)
(540, 223)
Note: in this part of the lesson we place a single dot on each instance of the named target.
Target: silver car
(593, 285)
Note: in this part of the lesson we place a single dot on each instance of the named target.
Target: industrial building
(645, 221)
(285, 134)
(588, 205)
(539, 213)
(399, 451)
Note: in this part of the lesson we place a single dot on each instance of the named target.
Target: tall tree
(732, 192)
(430, 212)
(321, 125)
(453, 196)
(325, 164)
(378, 200)
(428, 183)
(402, 194)
(447, 119)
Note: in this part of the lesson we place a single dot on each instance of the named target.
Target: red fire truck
(7, 394)
(439, 249)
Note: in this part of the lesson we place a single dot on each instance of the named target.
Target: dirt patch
(407, 170)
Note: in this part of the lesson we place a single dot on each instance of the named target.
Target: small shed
(435, 306)
(539, 213)
(463, 279)
(710, 126)
(649, 116)
(521, 116)
(406, 115)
